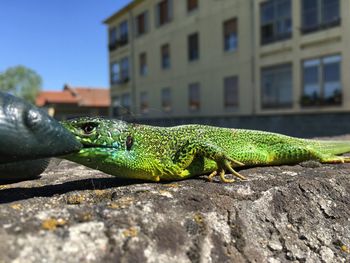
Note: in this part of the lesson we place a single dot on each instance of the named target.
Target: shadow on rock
(22, 193)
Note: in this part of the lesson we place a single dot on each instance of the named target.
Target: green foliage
(22, 82)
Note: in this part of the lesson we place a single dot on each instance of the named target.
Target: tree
(22, 82)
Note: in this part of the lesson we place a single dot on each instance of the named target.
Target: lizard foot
(222, 176)
(228, 167)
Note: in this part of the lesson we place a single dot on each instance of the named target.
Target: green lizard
(158, 153)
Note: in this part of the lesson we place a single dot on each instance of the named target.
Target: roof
(82, 96)
(59, 97)
(97, 97)
(122, 11)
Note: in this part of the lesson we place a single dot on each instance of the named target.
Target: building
(301, 56)
(225, 58)
(75, 102)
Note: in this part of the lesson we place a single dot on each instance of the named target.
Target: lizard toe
(212, 175)
(234, 173)
(224, 179)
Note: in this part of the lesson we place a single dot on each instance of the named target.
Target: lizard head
(107, 144)
(112, 146)
(98, 134)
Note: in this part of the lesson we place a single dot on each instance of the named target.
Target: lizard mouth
(96, 146)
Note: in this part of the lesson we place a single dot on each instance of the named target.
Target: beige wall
(214, 64)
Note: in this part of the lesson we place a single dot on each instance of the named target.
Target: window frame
(190, 9)
(123, 33)
(193, 54)
(167, 103)
(115, 106)
(165, 65)
(227, 35)
(275, 36)
(276, 69)
(321, 24)
(124, 72)
(143, 67)
(193, 105)
(320, 100)
(168, 17)
(112, 41)
(125, 107)
(145, 15)
(144, 110)
(227, 105)
(115, 76)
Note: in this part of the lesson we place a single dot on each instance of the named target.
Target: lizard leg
(188, 151)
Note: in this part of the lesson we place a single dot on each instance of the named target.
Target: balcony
(122, 41)
(316, 101)
(321, 26)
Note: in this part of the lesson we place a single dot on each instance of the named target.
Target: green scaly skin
(158, 153)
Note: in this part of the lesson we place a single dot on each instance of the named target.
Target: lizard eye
(129, 142)
(88, 128)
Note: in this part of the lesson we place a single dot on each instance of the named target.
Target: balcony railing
(122, 41)
(275, 38)
(321, 26)
(314, 101)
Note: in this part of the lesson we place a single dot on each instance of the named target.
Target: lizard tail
(331, 147)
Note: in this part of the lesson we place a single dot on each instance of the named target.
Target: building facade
(196, 58)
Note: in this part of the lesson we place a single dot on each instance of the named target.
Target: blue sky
(63, 41)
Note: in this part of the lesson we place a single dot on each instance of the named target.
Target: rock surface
(297, 213)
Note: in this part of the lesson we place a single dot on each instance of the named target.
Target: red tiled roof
(55, 97)
(86, 97)
(93, 97)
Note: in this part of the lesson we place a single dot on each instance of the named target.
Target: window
(118, 36)
(112, 38)
(193, 47)
(164, 11)
(125, 104)
(115, 73)
(124, 70)
(319, 14)
(275, 20)
(230, 35)
(166, 99)
(322, 81)
(115, 106)
(120, 71)
(165, 56)
(143, 64)
(144, 104)
(194, 97)
(142, 24)
(231, 92)
(276, 87)
(123, 33)
(192, 5)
